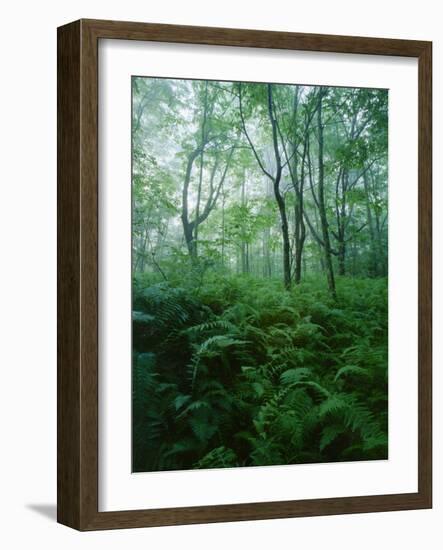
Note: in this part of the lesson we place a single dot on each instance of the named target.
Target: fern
(245, 373)
(350, 370)
(333, 404)
(220, 457)
(293, 376)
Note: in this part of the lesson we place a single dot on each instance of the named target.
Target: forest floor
(237, 371)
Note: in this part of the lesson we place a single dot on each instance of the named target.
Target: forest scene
(259, 274)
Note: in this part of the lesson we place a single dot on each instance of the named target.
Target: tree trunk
(244, 248)
(380, 248)
(278, 196)
(300, 229)
(321, 202)
(373, 267)
(200, 179)
(189, 239)
(188, 227)
(223, 228)
(285, 235)
(341, 257)
(342, 225)
(267, 262)
(298, 184)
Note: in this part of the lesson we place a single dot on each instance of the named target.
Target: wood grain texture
(68, 275)
(425, 273)
(78, 274)
(254, 38)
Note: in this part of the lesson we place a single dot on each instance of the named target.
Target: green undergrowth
(240, 372)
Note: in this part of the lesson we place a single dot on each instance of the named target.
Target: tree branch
(249, 139)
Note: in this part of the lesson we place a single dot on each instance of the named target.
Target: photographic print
(259, 274)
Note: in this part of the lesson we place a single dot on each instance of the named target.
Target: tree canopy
(266, 179)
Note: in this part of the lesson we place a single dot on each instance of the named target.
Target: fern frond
(350, 369)
(334, 403)
(293, 376)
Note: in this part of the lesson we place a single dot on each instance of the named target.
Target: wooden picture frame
(78, 274)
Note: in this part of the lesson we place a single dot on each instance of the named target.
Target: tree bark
(300, 228)
(244, 246)
(278, 196)
(223, 228)
(203, 139)
(188, 226)
(321, 201)
(373, 266)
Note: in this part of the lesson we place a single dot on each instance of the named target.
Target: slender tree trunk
(373, 266)
(341, 258)
(244, 247)
(267, 269)
(321, 201)
(298, 220)
(342, 224)
(188, 226)
(140, 253)
(278, 196)
(380, 248)
(298, 192)
(267, 262)
(285, 234)
(190, 241)
(321, 255)
(200, 179)
(300, 234)
(354, 252)
(264, 254)
(223, 228)
(300, 228)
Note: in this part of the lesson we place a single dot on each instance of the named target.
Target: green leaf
(333, 404)
(258, 388)
(350, 369)
(180, 400)
(293, 376)
(202, 429)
